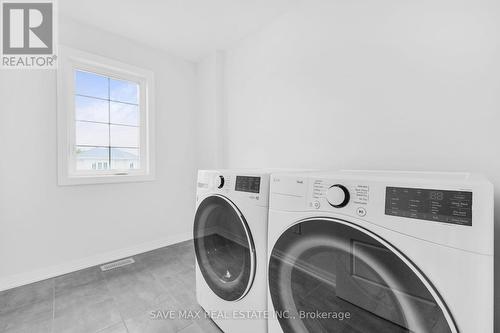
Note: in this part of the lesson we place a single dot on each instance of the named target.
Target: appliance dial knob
(337, 196)
(219, 181)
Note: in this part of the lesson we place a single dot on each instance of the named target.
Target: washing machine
(230, 240)
(380, 252)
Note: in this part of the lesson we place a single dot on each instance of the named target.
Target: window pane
(90, 84)
(92, 134)
(124, 136)
(124, 91)
(91, 158)
(126, 114)
(124, 159)
(91, 109)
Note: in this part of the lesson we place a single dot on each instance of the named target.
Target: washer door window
(327, 275)
(224, 248)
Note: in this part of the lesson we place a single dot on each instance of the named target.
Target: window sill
(104, 179)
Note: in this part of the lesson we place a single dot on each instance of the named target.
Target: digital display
(247, 184)
(433, 205)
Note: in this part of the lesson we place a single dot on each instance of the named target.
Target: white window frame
(71, 60)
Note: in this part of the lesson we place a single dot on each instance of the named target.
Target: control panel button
(219, 181)
(337, 196)
(361, 211)
(316, 204)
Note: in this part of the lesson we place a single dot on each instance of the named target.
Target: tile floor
(116, 301)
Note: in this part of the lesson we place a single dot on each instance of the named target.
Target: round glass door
(224, 248)
(327, 275)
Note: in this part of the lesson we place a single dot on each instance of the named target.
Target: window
(107, 123)
(104, 120)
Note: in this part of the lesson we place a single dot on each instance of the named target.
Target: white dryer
(380, 252)
(230, 239)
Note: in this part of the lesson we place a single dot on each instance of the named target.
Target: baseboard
(22, 279)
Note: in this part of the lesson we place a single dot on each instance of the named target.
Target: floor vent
(117, 264)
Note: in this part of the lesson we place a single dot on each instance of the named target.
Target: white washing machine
(380, 252)
(230, 239)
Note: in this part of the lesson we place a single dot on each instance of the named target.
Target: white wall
(211, 117)
(411, 85)
(47, 229)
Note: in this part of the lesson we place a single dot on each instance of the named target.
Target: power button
(361, 211)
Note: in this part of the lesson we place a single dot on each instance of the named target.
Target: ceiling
(186, 28)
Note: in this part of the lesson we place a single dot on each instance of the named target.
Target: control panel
(238, 185)
(454, 207)
(249, 184)
(451, 210)
(429, 204)
(335, 195)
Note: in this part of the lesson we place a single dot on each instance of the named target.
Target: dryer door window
(224, 248)
(327, 275)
